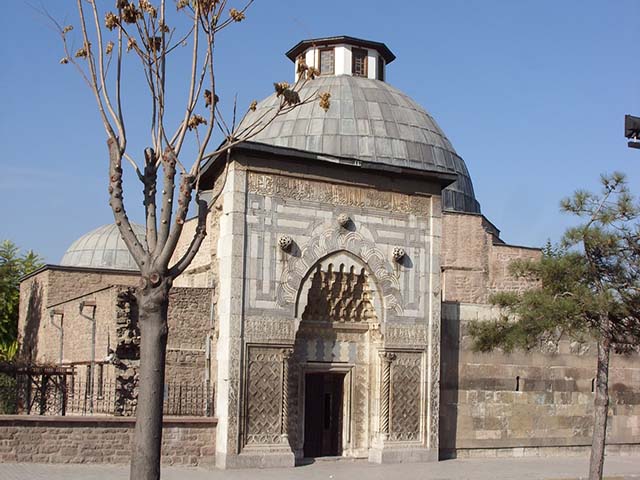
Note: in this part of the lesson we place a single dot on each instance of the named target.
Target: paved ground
(617, 468)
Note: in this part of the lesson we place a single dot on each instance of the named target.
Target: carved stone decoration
(406, 374)
(406, 336)
(286, 356)
(434, 387)
(267, 329)
(344, 220)
(339, 296)
(398, 254)
(337, 240)
(375, 333)
(346, 195)
(285, 242)
(385, 391)
(264, 396)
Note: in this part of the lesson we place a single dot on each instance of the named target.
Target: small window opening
(593, 385)
(517, 383)
(327, 61)
(359, 62)
(380, 69)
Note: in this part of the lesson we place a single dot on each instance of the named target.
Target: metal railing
(74, 397)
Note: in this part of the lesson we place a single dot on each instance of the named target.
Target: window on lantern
(327, 61)
(380, 69)
(359, 62)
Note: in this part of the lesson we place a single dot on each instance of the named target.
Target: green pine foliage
(13, 266)
(588, 286)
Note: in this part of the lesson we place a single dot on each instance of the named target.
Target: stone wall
(199, 273)
(524, 403)
(185, 440)
(527, 402)
(33, 315)
(62, 289)
(475, 261)
(190, 330)
(190, 324)
(203, 269)
(66, 284)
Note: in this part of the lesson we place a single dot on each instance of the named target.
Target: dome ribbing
(369, 120)
(102, 248)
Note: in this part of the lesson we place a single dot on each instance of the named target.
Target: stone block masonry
(185, 440)
(531, 403)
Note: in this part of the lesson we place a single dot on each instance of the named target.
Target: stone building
(328, 304)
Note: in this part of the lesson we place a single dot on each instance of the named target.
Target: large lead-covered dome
(102, 248)
(371, 121)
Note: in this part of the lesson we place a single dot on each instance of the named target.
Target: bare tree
(144, 36)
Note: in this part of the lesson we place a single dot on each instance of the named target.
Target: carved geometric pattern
(385, 390)
(434, 386)
(339, 296)
(336, 240)
(264, 395)
(405, 397)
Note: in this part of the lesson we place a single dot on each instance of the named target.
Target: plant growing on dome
(142, 38)
(587, 289)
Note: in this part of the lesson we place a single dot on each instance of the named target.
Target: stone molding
(406, 336)
(269, 329)
(46, 420)
(337, 194)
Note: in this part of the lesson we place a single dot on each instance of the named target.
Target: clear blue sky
(531, 94)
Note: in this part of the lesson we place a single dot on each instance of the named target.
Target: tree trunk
(152, 315)
(601, 407)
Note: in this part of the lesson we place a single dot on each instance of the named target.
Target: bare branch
(169, 161)
(103, 82)
(192, 87)
(201, 232)
(118, 86)
(133, 163)
(93, 80)
(195, 169)
(231, 20)
(184, 199)
(150, 180)
(117, 204)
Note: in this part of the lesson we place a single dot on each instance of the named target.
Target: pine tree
(587, 288)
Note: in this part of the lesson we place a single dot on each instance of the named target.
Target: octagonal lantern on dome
(369, 120)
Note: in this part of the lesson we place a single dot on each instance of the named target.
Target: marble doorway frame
(347, 401)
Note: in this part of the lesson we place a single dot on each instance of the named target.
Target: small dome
(102, 248)
(370, 121)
